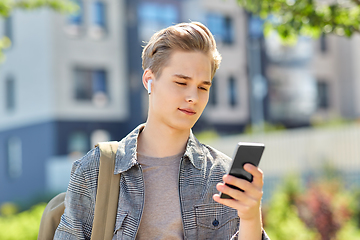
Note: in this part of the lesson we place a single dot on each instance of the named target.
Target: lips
(187, 111)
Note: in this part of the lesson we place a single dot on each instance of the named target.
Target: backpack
(105, 205)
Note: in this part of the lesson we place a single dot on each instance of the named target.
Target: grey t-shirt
(161, 217)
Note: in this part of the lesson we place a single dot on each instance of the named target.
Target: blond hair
(192, 36)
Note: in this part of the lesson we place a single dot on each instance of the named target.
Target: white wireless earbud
(149, 86)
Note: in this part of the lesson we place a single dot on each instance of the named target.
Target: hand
(247, 203)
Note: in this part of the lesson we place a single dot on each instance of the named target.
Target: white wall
(84, 51)
(355, 64)
(29, 62)
(325, 67)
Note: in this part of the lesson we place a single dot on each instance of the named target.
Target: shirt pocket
(216, 221)
(118, 231)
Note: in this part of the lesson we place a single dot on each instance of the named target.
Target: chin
(182, 126)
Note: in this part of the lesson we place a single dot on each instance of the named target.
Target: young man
(169, 181)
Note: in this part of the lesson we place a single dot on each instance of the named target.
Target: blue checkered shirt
(201, 168)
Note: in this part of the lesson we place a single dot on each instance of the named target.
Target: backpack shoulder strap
(107, 193)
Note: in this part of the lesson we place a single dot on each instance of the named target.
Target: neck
(162, 141)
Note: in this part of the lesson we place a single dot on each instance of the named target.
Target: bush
(8, 209)
(22, 226)
(324, 211)
(281, 219)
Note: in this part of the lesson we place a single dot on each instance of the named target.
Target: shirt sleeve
(76, 222)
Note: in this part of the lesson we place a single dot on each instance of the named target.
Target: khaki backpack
(105, 205)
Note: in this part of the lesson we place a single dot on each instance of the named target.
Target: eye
(203, 88)
(181, 83)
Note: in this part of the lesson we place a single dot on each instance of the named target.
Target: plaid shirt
(201, 168)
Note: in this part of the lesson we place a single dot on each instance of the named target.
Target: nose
(192, 96)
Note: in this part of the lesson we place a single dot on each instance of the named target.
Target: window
(213, 95)
(323, 43)
(76, 20)
(255, 27)
(228, 31)
(221, 27)
(91, 85)
(98, 14)
(155, 16)
(14, 157)
(98, 19)
(322, 95)
(78, 143)
(8, 28)
(90, 18)
(10, 94)
(232, 92)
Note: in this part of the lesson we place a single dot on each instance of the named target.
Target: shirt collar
(126, 154)
(194, 151)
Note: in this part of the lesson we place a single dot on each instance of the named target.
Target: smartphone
(244, 153)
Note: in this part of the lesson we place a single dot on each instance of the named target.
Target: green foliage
(325, 210)
(326, 207)
(334, 122)
(290, 18)
(266, 128)
(22, 226)
(349, 231)
(206, 135)
(4, 43)
(63, 6)
(8, 209)
(282, 221)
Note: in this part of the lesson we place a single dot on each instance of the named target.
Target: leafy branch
(8, 6)
(62, 6)
(291, 18)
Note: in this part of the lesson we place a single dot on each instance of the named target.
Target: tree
(8, 6)
(290, 18)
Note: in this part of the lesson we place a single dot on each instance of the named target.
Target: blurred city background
(72, 80)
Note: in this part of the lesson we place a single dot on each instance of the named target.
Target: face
(181, 92)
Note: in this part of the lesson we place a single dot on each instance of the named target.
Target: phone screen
(245, 153)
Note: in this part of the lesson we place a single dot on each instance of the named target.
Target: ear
(147, 76)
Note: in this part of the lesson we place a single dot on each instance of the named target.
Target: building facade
(63, 88)
(314, 81)
(338, 77)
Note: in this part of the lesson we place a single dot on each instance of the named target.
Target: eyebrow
(189, 78)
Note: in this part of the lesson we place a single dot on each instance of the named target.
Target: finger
(250, 191)
(241, 207)
(237, 182)
(234, 193)
(244, 211)
(228, 202)
(248, 187)
(258, 175)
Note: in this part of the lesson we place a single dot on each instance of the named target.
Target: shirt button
(215, 223)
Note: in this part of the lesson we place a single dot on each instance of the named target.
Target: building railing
(302, 152)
